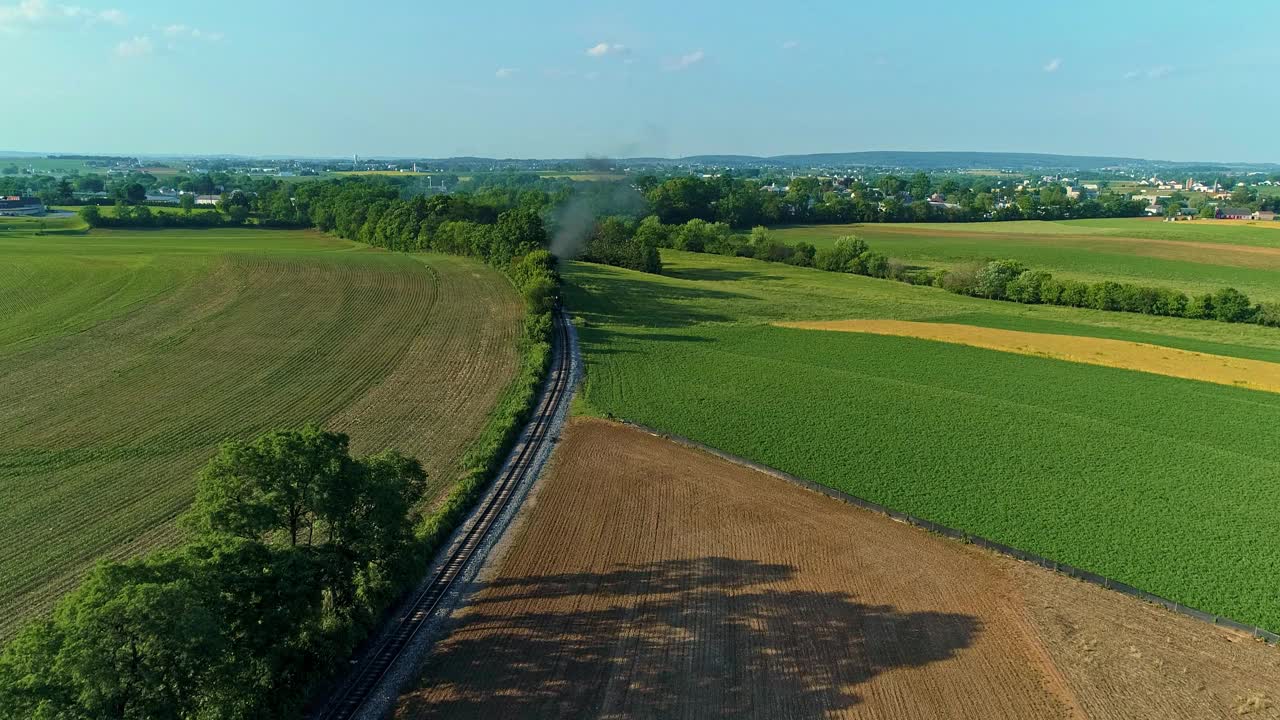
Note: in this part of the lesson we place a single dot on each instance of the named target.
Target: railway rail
(366, 677)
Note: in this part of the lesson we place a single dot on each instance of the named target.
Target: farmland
(126, 357)
(647, 579)
(1163, 483)
(1200, 255)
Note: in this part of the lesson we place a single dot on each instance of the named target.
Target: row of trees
(293, 549)
(997, 280)
(743, 203)
(1011, 280)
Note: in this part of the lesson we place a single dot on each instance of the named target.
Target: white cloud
(37, 13)
(504, 73)
(604, 48)
(790, 45)
(687, 60)
(177, 34)
(136, 47)
(179, 31)
(1053, 65)
(1153, 73)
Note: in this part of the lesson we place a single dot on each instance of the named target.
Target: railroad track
(364, 681)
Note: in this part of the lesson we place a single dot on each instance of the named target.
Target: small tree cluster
(294, 546)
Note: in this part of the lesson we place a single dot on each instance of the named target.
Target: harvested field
(649, 580)
(1127, 660)
(1143, 357)
(654, 581)
(132, 355)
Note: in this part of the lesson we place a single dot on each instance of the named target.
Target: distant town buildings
(11, 205)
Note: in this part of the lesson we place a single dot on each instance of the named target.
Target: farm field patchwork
(646, 579)
(126, 357)
(1194, 256)
(1237, 372)
(1163, 483)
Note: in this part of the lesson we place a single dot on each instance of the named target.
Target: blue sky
(1172, 80)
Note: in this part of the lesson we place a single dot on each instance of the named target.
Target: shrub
(1138, 298)
(1268, 314)
(1074, 294)
(992, 281)
(1200, 306)
(1231, 305)
(960, 280)
(1105, 295)
(1051, 291)
(874, 264)
(803, 255)
(839, 257)
(1027, 287)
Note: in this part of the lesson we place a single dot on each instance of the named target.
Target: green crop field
(126, 357)
(1196, 256)
(1167, 484)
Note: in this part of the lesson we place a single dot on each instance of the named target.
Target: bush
(1268, 314)
(1028, 287)
(1231, 305)
(961, 280)
(992, 281)
(841, 255)
(1105, 295)
(1074, 294)
(1051, 291)
(1200, 307)
(1170, 302)
(803, 255)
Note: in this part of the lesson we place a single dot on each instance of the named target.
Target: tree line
(996, 280)
(746, 202)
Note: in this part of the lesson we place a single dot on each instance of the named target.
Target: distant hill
(958, 160)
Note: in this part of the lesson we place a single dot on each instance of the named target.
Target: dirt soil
(645, 579)
(1143, 357)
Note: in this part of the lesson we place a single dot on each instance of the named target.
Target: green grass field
(1166, 484)
(126, 357)
(1198, 256)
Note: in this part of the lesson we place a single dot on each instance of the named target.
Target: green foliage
(1200, 307)
(1231, 305)
(614, 241)
(294, 544)
(1029, 287)
(992, 281)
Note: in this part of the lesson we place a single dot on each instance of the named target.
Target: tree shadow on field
(716, 274)
(604, 297)
(708, 637)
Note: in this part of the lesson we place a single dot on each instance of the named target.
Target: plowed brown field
(645, 579)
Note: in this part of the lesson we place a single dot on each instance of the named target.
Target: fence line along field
(126, 357)
(1192, 256)
(1163, 483)
(646, 579)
